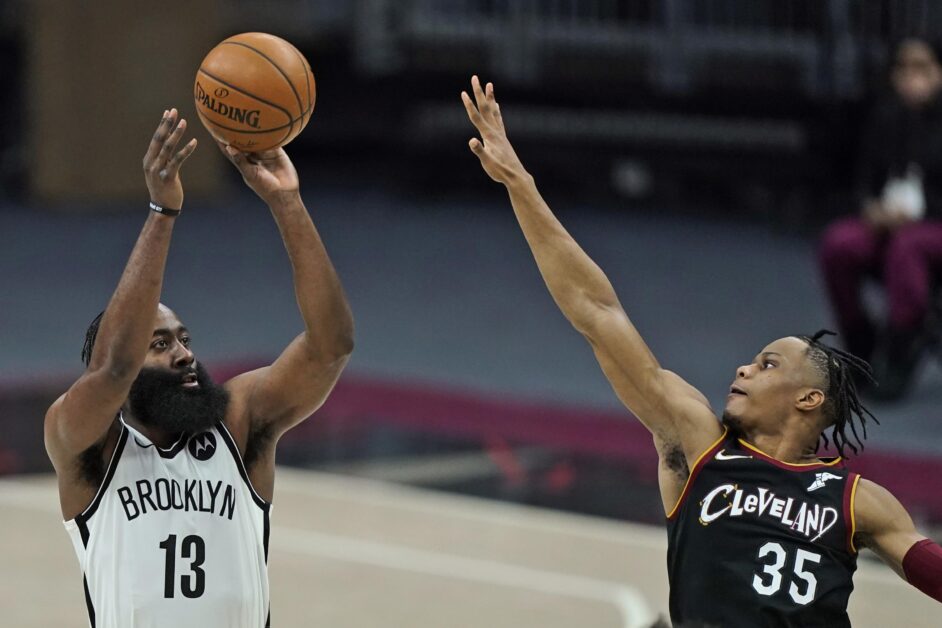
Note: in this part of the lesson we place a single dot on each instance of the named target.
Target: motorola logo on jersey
(202, 446)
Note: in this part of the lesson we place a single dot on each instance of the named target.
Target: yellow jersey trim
(820, 463)
(853, 517)
(693, 471)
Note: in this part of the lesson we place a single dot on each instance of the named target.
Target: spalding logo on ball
(254, 91)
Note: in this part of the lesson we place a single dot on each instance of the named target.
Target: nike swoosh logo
(722, 455)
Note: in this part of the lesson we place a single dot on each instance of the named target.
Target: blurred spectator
(896, 239)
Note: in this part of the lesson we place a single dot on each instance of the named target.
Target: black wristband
(166, 211)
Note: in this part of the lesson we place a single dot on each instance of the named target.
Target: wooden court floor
(358, 553)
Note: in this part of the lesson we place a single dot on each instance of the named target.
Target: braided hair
(842, 405)
(90, 335)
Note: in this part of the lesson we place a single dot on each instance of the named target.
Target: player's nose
(183, 358)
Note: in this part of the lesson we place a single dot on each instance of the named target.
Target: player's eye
(185, 341)
(766, 364)
(159, 344)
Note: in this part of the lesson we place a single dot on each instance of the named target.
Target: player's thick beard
(158, 399)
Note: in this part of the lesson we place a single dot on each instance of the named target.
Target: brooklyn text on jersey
(170, 494)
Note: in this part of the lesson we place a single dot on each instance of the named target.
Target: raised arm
(81, 417)
(884, 526)
(669, 407)
(279, 396)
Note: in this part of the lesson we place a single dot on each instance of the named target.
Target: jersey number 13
(193, 548)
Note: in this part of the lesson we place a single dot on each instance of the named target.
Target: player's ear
(809, 399)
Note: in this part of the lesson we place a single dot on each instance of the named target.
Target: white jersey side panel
(175, 537)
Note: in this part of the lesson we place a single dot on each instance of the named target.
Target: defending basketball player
(166, 478)
(762, 532)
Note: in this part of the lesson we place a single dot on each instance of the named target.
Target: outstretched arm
(279, 396)
(81, 417)
(885, 527)
(669, 407)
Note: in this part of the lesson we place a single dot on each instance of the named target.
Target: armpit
(672, 456)
(259, 440)
(91, 464)
(862, 540)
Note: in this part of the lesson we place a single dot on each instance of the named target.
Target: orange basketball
(254, 91)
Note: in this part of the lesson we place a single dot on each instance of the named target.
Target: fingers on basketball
(234, 154)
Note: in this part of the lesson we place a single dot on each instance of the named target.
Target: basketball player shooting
(761, 532)
(166, 478)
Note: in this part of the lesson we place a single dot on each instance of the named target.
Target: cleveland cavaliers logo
(202, 446)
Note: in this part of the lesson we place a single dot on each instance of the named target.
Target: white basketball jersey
(175, 537)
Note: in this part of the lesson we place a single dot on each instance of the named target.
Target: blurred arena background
(695, 148)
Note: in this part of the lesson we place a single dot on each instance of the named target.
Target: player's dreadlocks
(841, 404)
(90, 336)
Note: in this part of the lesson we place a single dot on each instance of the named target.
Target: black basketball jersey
(754, 541)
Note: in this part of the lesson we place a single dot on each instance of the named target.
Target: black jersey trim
(88, 603)
(266, 533)
(86, 514)
(792, 466)
(850, 498)
(83, 530)
(170, 452)
(705, 457)
(234, 450)
(174, 449)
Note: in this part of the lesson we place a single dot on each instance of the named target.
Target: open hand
(270, 173)
(497, 156)
(162, 161)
